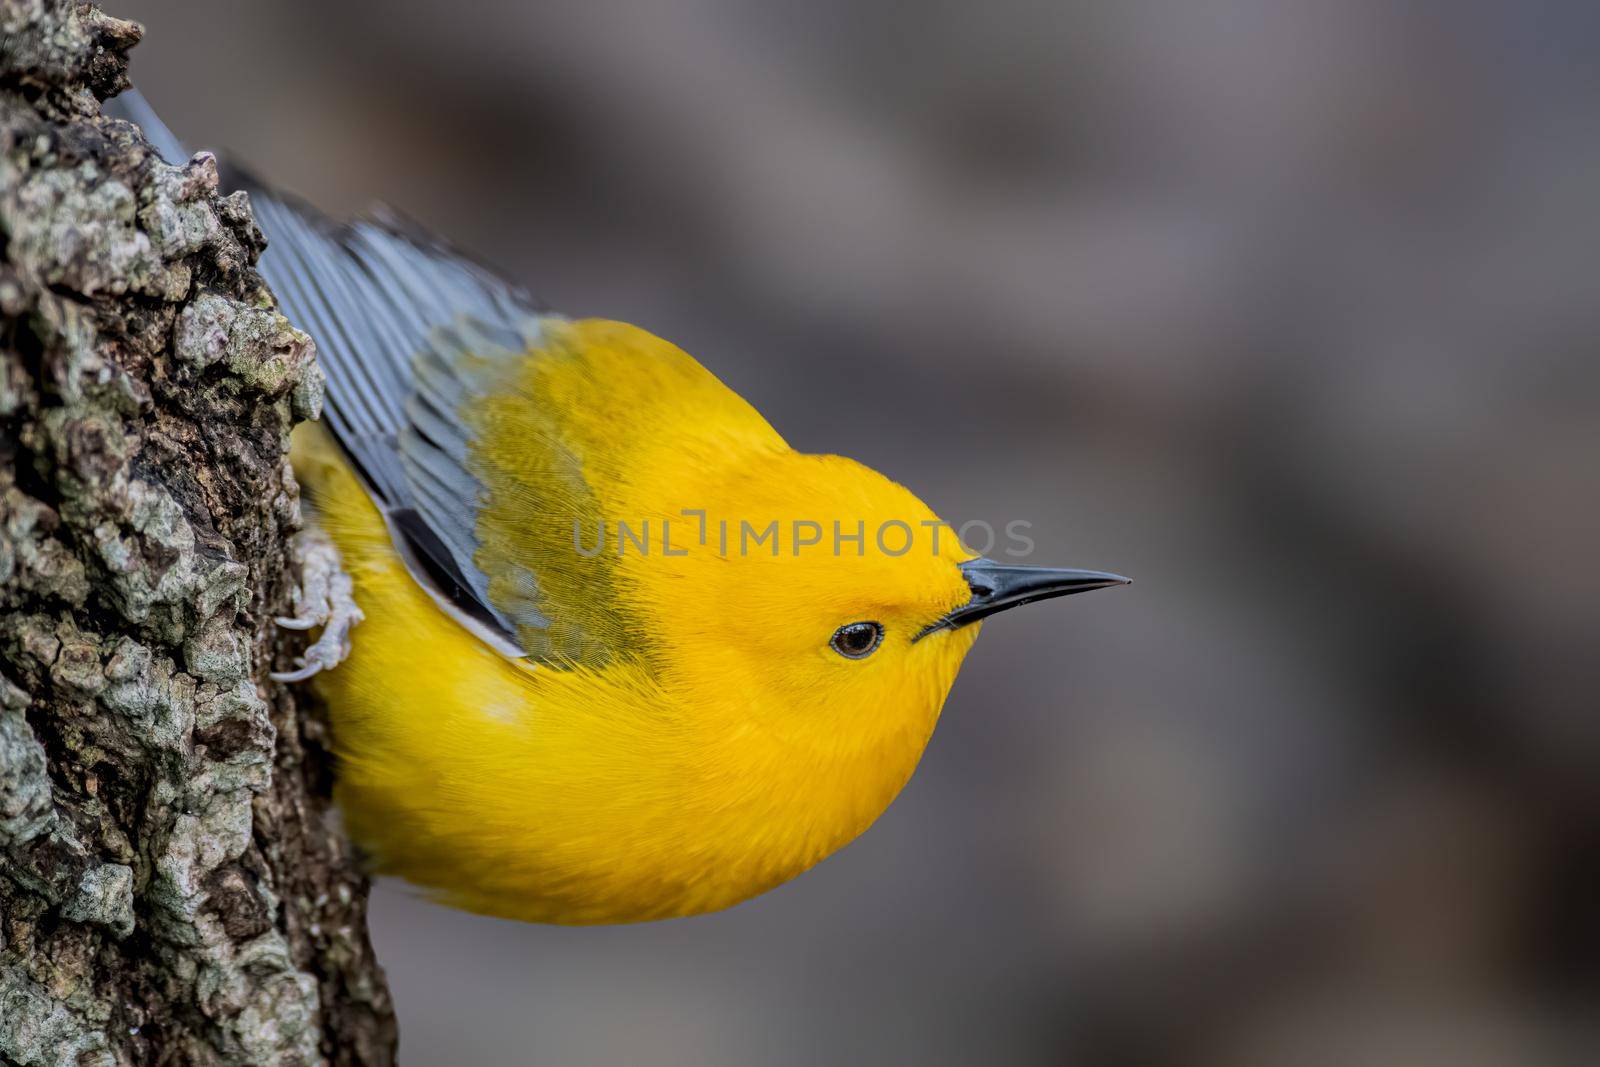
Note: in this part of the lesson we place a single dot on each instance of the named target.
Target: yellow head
(809, 600)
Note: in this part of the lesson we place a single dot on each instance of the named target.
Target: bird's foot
(326, 599)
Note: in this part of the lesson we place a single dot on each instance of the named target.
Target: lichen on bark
(170, 888)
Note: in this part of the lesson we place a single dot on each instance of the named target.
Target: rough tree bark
(170, 888)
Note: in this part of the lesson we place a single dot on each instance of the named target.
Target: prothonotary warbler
(625, 654)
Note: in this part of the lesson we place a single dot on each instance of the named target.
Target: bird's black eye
(858, 640)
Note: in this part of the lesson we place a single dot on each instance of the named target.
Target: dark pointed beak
(997, 587)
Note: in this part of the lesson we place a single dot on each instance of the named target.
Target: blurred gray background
(1289, 309)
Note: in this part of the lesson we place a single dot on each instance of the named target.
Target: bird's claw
(326, 599)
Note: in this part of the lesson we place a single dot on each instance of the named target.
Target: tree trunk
(171, 890)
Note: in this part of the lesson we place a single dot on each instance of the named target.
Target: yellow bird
(625, 654)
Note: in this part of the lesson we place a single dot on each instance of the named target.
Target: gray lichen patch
(32, 559)
(104, 898)
(26, 810)
(257, 344)
(42, 1029)
(79, 231)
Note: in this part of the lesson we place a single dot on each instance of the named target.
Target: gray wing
(389, 309)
